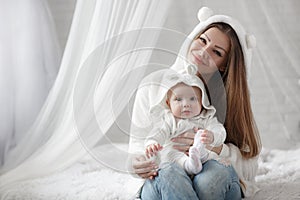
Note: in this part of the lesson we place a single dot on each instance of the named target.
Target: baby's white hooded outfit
(166, 126)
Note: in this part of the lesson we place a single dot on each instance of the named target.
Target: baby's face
(185, 101)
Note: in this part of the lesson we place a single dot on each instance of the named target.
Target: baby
(186, 107)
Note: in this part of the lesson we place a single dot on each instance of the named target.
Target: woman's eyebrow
(207, 37)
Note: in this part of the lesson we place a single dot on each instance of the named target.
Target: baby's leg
(197, 155)
(193, 164)
(200, 146)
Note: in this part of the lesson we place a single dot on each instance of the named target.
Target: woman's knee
(172, 182)
(167, 170)
(169, 174)
(215, 171)
(215, 179)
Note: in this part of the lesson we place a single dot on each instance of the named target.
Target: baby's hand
(207, 137)
(152, 150)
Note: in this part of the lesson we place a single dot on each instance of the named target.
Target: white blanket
(278, 178)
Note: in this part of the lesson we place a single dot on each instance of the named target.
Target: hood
(206, 17)
(188, 76)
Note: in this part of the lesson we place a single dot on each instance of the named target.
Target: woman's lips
(198, 60)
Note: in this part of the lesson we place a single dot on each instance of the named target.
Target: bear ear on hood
(250, 41)
(204, 13)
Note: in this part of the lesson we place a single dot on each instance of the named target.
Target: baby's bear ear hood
(207, 17)
(186, 75)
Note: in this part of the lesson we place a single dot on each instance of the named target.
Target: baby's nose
(186, 103)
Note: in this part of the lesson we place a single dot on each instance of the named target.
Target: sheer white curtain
(29, 61)
(109, 41)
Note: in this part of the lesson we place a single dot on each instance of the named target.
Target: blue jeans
(215, 181)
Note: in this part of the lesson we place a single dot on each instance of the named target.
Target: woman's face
(209, 52)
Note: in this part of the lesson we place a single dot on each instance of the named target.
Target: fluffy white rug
(279, 175)
(278, 178)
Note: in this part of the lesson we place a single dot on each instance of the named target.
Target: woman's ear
(222, 68)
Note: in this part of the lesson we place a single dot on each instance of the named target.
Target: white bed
(278, 178)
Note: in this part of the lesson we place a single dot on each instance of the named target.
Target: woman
(219, 47)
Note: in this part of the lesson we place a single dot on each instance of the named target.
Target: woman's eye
(203, 40)
(218, 53)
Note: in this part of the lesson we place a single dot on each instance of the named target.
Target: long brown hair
(239, 120)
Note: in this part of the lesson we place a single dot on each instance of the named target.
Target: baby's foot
(193, 164)
(197, 141)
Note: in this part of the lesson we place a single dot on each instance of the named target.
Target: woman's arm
(141, 126)
(217, 150)
(184, 141)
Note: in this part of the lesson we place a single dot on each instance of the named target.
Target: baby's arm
(214, 133)
(206, 136)
(152, 149)
(158, 136)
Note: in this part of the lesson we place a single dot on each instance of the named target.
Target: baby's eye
(193, 99)
(178, 99)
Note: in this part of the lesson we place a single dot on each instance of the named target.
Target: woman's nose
(203, 52)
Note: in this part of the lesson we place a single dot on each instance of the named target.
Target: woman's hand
(144, 168)
(185, 141)
(217, 150)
